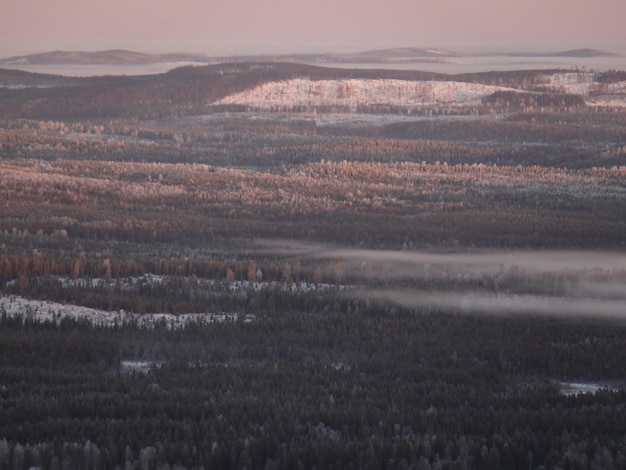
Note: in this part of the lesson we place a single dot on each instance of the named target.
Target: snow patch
(572, 82)
(575, 388)
(136, 366)
(42, 310)
(584, 83)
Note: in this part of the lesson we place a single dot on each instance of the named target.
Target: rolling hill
(113, 56)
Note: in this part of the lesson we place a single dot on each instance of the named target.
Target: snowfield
(42, 310)
(130, 283)
(355, 93)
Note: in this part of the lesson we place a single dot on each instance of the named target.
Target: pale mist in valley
(589, 284)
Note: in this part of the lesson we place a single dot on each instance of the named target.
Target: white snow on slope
(585, 84)
(352, 93)
(573, 83)
(42, 310)
(355, 92)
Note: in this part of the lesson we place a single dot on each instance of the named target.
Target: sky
(257, 26)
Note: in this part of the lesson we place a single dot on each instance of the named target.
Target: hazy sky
(242, 26)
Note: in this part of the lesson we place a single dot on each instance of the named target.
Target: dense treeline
(589, 128)
(349, 203)
(575, 139)
(463, 391)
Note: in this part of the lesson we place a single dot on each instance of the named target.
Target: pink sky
(227, 26)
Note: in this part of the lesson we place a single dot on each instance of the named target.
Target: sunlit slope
(356, 93)
(360, 93)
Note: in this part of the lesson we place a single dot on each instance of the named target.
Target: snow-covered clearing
(572, 82)
(595, 93)
(353, 93)
(131, 283)
(356, 93)
(42, 310)
(574, 388)
(136, 366)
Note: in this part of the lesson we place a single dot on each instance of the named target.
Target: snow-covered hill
(355, 93)
(361, 92)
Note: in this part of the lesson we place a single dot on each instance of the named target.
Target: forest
(189, 283)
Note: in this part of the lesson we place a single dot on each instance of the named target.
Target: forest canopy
(189, 283)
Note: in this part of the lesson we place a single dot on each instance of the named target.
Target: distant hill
(181, 91)
(195, 90)
(585, 53)
(568, 53)
(392, 56)
(109, 57)
(379, 56)
(16, 79)
(124, 57)
(400, 53)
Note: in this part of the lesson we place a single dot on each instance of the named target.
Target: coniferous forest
(191, 281)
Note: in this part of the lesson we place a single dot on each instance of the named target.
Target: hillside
(585, 52)
(398, 55)
(558, 89)
(191, 90)
(118, 56)
(182, 91)
(113, 56)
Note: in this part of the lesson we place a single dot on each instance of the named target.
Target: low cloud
(590, 284)
(500, 304)
(574, 283)
(490, 262)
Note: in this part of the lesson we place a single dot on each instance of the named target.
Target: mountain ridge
(105, 57)
(583, 53)
(390, 56)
